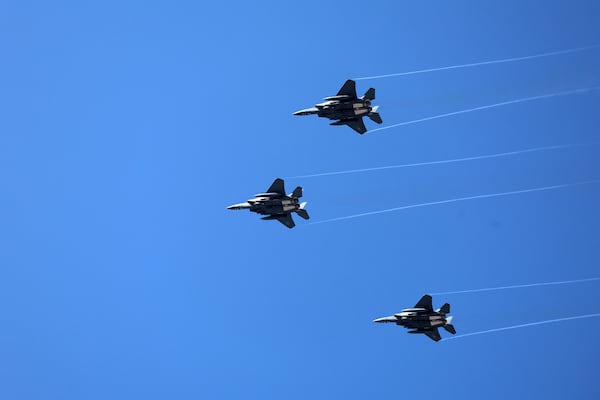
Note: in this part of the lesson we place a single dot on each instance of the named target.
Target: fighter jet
(347, 108)
(423, 319)
(276, 204)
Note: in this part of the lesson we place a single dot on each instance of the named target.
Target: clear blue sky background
(128, 127)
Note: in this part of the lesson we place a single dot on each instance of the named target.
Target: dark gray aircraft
(423, 319)
(276, 204)
(347, 108)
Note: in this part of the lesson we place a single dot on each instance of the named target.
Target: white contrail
(481, 196)
(453, 160)
(476, 64)
(517, 286)
(549, 321)
(504, 103)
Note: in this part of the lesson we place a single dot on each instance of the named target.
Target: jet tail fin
(302, 211)
(369, 95)
(445, 309)
(297, 193)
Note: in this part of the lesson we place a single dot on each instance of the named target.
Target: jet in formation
(275, 204)
(347, 108)
(423, 319)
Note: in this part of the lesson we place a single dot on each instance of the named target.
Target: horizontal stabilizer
(450, 328)
(303, 213)
(369, 95)
(297, 193)
(375, 117)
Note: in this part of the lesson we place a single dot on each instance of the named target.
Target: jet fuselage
(416, 318)
(346, 108)
(276, 204)
(339, 108)
(264, 203)
(422, 318)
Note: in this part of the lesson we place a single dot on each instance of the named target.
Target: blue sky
(128, 128)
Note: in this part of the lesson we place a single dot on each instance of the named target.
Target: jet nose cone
(307, 111)
(385, 319)
(379, 320)
(240, 206)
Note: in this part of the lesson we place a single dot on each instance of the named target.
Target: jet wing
(425, 303)
(434, 334)
(349, 89)
(356, 123)
(287, 220)
(277, 187)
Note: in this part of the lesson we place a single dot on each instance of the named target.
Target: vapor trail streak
(549, 321)
(517, 286)
(481, 196)
(476, 64)
(454, 160)
(504, 103)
